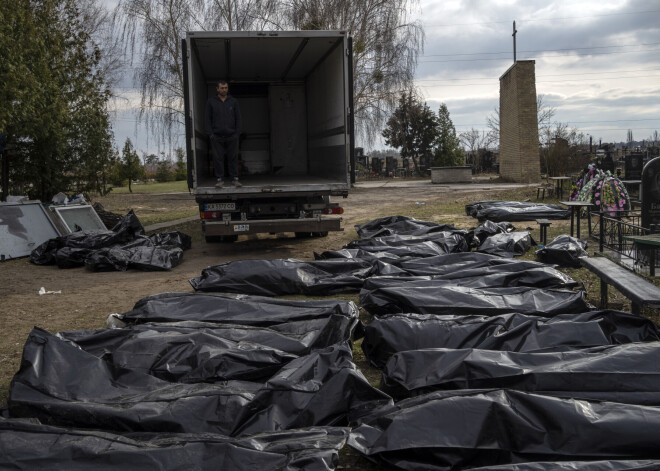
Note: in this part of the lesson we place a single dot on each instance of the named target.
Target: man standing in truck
(223, 125)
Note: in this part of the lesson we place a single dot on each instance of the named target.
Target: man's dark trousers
(221, 149)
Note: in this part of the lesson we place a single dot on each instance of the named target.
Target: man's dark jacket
(223, 118)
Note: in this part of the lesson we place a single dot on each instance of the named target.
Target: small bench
(638, 290)
(540, 191)
(543, 230)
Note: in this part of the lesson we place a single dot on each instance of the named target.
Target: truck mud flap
(221, 228)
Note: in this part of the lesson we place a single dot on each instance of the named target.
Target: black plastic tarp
(508, 244)
(235, 309)
(147, 258)
(372, 256)
(466, 429)
(430, 297)
(446, 242)
(28, 445)
(466, 265)
(126, 230)
(620, 373)
(60, 384)
(491, 277)
(419, 249)
(564, 250)
(189, 352)
(489, 228)
(391, 225)
(498, 211)
(387, 335)
(194, 351)
(610, 465)
(123, 247)
(458, 266)
(284, 276)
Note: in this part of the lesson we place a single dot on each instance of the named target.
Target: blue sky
(597, 64)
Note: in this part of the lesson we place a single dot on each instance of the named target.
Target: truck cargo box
(296, 145)
(294, 94)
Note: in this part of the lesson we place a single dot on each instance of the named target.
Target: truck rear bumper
(223, 228)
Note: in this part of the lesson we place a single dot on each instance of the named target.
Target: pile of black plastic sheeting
(305, 392)
(619, 373)
(498, 211)
(124, 246)
(30, 445)
(448, 321)
(564, 250)
(386, 335)
(284, 276)
(450, 430)
(501, 362)
(190, 373)
(350, 271)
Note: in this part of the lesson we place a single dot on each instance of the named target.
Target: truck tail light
(209, 215)
(334, 210)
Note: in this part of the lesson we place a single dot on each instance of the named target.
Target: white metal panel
(78, 217)
(23, 227)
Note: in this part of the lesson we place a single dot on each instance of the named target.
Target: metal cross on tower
(514, 41)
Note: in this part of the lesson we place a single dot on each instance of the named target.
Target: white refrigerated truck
(295, 92)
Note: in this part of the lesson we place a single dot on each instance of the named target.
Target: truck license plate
(241, 227)
(220, 207)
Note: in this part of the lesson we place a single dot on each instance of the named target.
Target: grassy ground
(152, 187)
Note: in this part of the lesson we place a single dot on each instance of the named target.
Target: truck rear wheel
(320, 234)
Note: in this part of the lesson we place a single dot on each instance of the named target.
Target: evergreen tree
(52, 100)
(132, 169)
(448, 152)
(181, 170)
(412, 128)
(164, 172)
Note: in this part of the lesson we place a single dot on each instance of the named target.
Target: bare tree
(563, 145)
(96, 21)
(544, 114)
(473, 140)
(243, 15)
(386, 44)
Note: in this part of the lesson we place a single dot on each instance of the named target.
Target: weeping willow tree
(386, 44)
